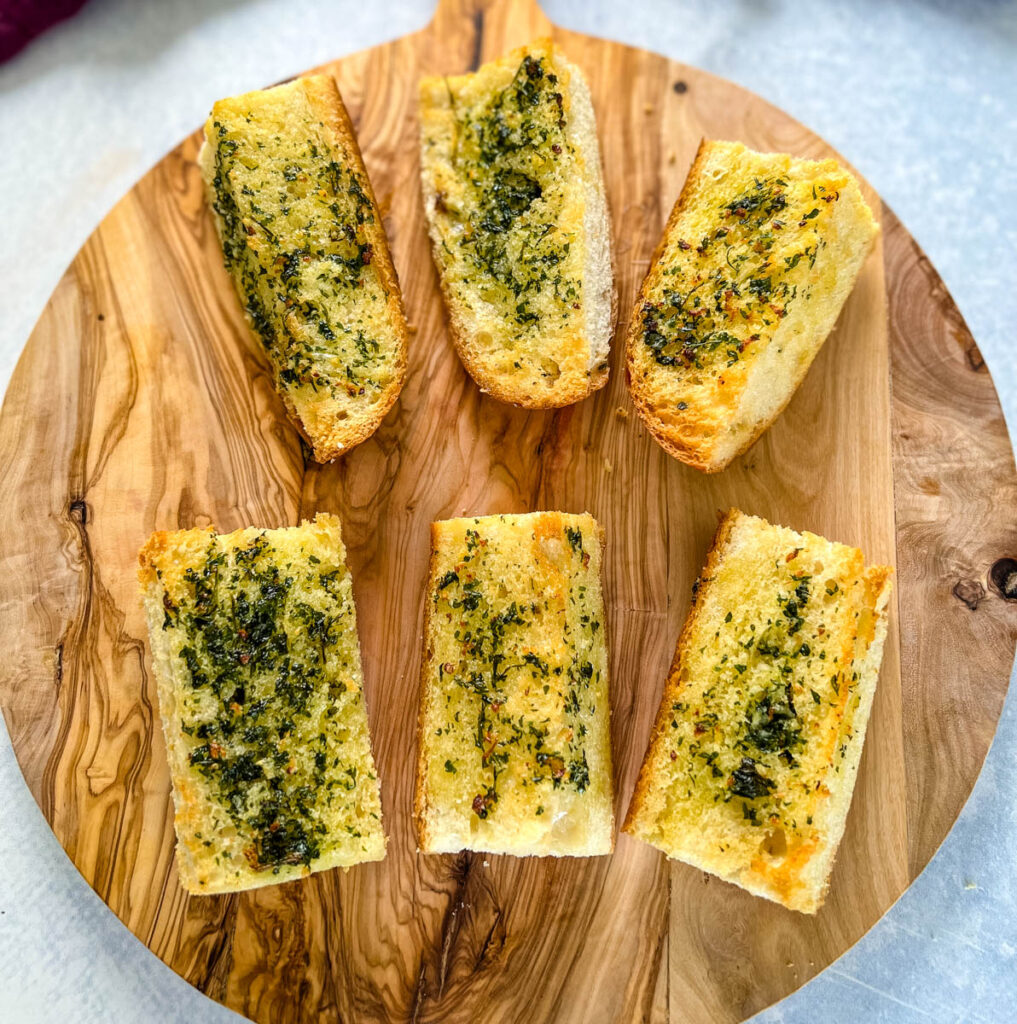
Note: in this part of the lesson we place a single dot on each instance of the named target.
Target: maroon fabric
(22, 20)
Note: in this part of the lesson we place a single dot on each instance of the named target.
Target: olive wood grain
(142, 402)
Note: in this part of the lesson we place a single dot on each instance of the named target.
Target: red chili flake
(674, 755)
(480, 806)
(244, 659)
(556, 149)
(700, 729)
(367, 254)
(448, 667)
(683, 245)
(274, 827)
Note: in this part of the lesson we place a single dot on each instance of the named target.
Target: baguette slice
(514, 196)
(514, 746)
(753, 757)
(758, 257)
(302, 237)
(254, 645)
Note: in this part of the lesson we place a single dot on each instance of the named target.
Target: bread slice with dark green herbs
(515, 202)
(514, 736)
(304, 242)
(758, 257)
(257, 663)
(753, 757)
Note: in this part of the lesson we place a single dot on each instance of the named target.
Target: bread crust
(688, 445)
(325, 101)
(556, 395)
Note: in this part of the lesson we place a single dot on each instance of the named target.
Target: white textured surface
(920, 95)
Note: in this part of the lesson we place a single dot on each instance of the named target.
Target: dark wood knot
(78, 511)
(970, 592)
(975, 358)
(680, 87)
(1003, 577)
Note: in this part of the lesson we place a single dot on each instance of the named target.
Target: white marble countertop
(921, 96)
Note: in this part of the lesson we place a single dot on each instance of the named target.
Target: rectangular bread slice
(758, 257)
(304, 242)
(514, 195)
(514, 746)
(255, 651)
(754, 753)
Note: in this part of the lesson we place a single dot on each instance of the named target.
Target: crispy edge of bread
(324, 99)
(426, 839)
(701, 456)
(205, 878)
(596, 222)
(815, 877)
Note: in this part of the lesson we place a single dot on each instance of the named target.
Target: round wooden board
(141, 402)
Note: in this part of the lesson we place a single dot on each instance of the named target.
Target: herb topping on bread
(514, 737)
(515, 202)
(254, 644)
(752, 761)
(758, 257)
(303, 240)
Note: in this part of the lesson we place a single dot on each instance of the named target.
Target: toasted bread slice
(254, 645)
(758, 257)
(514, 746)
(304, 242)
(754, 753)
(514, 195)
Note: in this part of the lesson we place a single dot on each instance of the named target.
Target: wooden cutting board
(141, 402)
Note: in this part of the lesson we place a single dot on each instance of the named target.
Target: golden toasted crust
(565, 348)
(535, 583)
(217, 851)
(706, 422)
(329, 427)
(787, 858)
